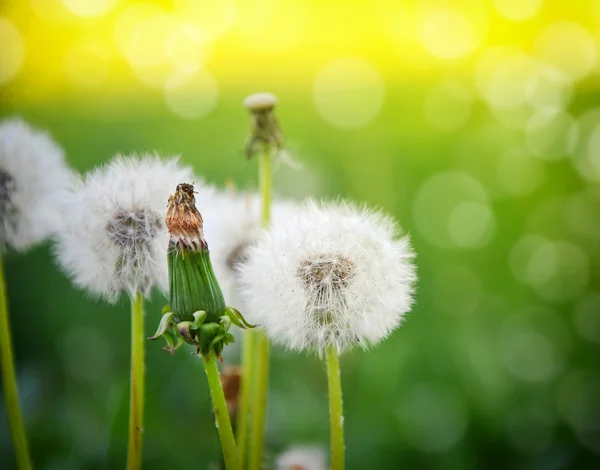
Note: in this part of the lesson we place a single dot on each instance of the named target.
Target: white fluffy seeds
(330, 275)
(232, 223)
(33, 176)
(113, 238)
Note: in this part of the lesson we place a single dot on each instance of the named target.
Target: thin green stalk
(245, 395)
(221, 413)
(261, 352)
(259, 405)
(136, 401)
(9, 381)
(336, 412)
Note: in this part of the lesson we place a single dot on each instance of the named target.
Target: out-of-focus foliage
(477, 124)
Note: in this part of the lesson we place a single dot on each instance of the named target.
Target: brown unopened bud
(183, 219)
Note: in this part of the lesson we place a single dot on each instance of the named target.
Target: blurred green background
(477, 124)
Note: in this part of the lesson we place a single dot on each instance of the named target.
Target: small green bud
(197, 313)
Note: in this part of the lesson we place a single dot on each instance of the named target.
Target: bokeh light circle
(558, 271)
(13, 50)
(518, 10)
(448, 33)
(187, 45)
(552, 135)
(452, 210)
(569, 47)
(349, 93)
(191, 94)
(90, 7)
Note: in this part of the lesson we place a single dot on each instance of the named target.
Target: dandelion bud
(197, 311)
(264, 126)
(329, 276)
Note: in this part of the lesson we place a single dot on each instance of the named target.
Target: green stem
(136, 401)
(265, 177)
(11, 393)
(221, 413)
(336, 413)
(245, 395)
(259, 405)
(261, 353)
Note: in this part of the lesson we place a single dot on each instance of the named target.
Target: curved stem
(245, 395)
(336, 413)
(136, 401)
(9, 381)
(221, 413)
(259, 400)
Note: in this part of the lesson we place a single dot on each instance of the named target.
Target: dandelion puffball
(33, 175)
(330, 276)
(113, 238)
(232, 223)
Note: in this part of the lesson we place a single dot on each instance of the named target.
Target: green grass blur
(496, 366)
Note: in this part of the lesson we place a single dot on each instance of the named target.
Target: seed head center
(131, 228)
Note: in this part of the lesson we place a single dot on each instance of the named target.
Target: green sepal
(225, 322)
(199, 318)
(237, 318)
(165, 323)
(184, 329)
(173, 344)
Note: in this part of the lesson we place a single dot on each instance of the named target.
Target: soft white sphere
(329, 276)
(232, 223)
(33, 176)
(113, 239)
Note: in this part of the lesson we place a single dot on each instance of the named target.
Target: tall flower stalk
(197, 313)
(265, 138)
(339, 277)
(137, 384)
(9, 381)
(33, 180)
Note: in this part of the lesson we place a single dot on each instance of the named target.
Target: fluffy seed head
(33, 178)
(329, 275)
(114, 239)
(232, 225)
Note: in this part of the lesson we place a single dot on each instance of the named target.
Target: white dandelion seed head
(330, 275)
(33, 176)
(113, 239)
(232, 223)
(302, 458)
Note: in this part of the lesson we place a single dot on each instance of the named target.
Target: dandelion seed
(114, 239)
(329, 276)
(33, 178)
